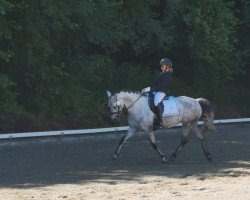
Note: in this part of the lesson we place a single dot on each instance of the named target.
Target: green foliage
(58, 58)
(208, 29)
(244, 40)
(7, 98)
(8, 105)
(5, 30)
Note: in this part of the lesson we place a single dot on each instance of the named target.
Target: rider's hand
(147, 89)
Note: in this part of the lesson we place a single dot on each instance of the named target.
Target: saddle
(151, 103)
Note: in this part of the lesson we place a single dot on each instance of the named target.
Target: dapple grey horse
(140, 118)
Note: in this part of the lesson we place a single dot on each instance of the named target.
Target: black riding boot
(158, 124)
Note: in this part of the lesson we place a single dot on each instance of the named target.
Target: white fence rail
(99, 130)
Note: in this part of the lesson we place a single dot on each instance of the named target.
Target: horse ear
(109, 94)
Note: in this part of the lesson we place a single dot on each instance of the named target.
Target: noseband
(118, 112)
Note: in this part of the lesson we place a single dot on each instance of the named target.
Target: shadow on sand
(39, 165)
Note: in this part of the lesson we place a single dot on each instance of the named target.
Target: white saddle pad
(171, 107)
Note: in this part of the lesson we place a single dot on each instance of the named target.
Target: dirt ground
(84, 170)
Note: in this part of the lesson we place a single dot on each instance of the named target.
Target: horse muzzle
(115, 117)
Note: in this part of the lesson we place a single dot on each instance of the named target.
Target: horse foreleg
(184, 141)
(155, 147)
(129, 134)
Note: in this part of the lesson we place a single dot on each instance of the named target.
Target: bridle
(119, 110)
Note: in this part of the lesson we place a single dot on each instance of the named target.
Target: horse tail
(207, 114)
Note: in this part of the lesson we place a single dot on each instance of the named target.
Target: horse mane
(134, 94)
(128, 91)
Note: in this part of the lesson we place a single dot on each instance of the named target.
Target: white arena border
(98, 130)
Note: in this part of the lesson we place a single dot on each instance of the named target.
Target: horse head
(116, 107)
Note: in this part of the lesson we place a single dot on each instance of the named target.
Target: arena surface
(83, 169)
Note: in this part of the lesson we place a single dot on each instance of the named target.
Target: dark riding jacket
(162, 82)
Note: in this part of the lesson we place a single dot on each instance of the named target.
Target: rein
(135, 101)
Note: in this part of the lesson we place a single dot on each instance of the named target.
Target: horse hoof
(209, 159)
(115, 157)
(170, 161)
(164, 160)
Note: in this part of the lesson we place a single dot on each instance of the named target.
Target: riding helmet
(166, 61)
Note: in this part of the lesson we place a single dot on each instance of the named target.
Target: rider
(159, 86)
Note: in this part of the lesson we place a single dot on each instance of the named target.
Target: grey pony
(140, 118)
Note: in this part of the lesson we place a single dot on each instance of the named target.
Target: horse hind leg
(184, 140)
(203, 143)
(155, 147)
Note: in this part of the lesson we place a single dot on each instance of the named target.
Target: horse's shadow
(35, 165)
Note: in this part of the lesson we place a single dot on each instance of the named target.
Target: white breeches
(158, 96)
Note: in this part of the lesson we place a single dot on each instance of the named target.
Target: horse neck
(128, 98)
